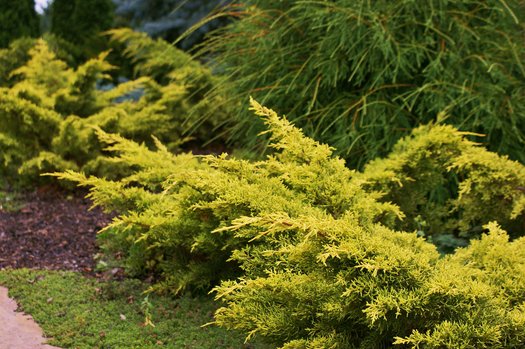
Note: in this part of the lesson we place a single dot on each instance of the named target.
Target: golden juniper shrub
(17, 54)
(449, 187)
(318, 265)
(171, 67)
(340, 284)
(25, 128)
(170, 204)
(335, 281)
(32, 110)
(49, 111)
(13, 57)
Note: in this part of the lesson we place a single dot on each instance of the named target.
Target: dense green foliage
(17, 19)
(48, 110)
(62, 12)
(359, 75)
(81, 22)
(322, 262)
(86, 313)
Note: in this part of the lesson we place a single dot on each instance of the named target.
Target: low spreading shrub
(48, 111)
(320, 282)
(319, 259)
(171, 203)
(449, 187)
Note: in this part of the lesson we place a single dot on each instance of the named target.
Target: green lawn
(80, 312)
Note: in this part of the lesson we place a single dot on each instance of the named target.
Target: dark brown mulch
(52, 230)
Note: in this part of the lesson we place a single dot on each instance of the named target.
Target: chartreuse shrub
(48, 110)
(171, 203)
(170, 66)
(449, 187)
(320, 282)
(319, 261)
(17, 54)
(33, 109)
(359, 75)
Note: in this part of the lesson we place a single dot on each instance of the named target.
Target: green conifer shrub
(322, 263)
(359, 75)
(17, 19)
(61, 16)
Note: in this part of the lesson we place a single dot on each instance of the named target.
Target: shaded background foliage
(359, 75)
(169, 19)
(17, 19)
(81, 22)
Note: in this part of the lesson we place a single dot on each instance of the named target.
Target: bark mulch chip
(51, 230)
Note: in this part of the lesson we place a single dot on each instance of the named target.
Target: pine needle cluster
(359, 75)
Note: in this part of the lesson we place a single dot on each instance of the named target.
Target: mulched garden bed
(51, 230)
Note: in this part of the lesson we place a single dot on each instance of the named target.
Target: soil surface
(18, 331)
(51, 230)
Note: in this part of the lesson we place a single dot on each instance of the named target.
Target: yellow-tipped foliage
(317, 261)
(449, 187)
(48, 110)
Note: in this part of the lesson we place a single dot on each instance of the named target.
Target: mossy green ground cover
(80, 312)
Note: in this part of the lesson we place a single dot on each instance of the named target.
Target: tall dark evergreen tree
(81, 22)
(61, 18)
(17, 19)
